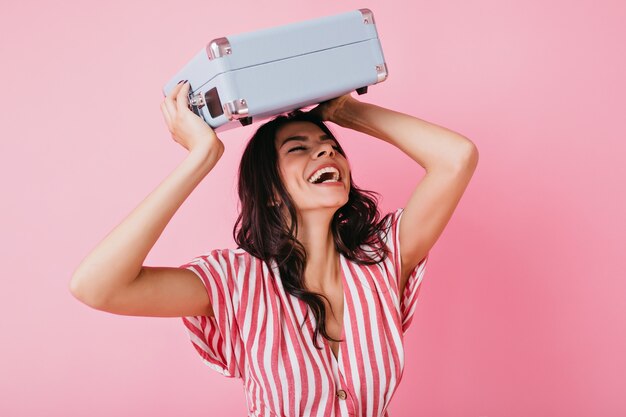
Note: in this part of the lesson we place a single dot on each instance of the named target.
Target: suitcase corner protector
(236, 109)
(368, 16)
(218, 47)
(381, 72)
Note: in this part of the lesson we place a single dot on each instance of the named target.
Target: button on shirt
(255, 334)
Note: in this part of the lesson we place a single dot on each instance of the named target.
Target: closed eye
(302, 147)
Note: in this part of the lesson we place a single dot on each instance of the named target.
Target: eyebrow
(304, 139)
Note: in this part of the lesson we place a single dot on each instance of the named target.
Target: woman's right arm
(112, 277)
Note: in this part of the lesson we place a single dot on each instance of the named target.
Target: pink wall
(522, 312)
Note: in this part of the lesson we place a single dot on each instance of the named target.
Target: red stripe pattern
(255, 334)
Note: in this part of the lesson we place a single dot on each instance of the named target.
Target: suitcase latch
(197, 100)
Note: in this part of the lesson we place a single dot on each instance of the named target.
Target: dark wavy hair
(261, 229)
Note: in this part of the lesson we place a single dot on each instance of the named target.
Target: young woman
(311, 308)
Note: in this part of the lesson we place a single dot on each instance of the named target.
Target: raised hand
(329, 109)
(188, 129)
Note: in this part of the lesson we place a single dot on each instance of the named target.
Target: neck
(322, 267)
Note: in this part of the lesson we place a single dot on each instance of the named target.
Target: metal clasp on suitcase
(238, 110)
(196, 102)
(368, 16)
(234, 110)
(218, 48)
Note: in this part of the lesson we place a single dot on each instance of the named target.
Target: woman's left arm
(449, 159)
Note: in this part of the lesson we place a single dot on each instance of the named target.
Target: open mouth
(326, 178)
(325, 175)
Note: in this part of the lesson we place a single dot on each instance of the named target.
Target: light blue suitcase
(241, 79)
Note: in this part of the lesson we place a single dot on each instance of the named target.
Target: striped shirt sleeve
(217, 339)
(408, 300)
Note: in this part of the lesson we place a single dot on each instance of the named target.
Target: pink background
(522, 312)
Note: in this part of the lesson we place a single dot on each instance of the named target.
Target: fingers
(182, 97)
(170, 103)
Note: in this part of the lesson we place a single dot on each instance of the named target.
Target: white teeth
(319, 172)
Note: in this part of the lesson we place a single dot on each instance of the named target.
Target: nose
(325, 148)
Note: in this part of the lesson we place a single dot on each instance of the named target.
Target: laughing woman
(311, 307)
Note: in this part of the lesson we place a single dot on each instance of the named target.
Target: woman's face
(302, 149)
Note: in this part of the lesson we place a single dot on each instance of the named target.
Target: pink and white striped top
(255, 334)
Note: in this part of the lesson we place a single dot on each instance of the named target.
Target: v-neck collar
(346, 307)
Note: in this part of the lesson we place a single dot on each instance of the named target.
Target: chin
(328, 205)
